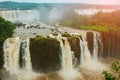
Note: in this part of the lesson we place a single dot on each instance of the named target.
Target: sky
(70, 1)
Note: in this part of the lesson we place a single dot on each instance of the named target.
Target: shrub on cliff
(6, 30)
(115, 75)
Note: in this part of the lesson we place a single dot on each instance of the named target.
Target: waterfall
(85, 53)
(26, 60)
(17, 54)
(18, 60)
(20, 15)
(86, 60)
(12, 54)
(68, 72)
(67, 61)
(96, 41)
(95, 44)
(82, 61)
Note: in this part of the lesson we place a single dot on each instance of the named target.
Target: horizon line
(60, 3)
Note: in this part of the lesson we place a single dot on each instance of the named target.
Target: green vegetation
(95, 28)
(115, 74)
(74, 43)
(41, 39)
(103, 22)
(66, 35)
(108, 76)
(6, 30)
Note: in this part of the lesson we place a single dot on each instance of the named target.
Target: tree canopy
(101, 21)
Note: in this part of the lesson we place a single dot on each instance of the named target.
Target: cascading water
(96, 41)
(20, 15)
(12, 54)
(86, 59)
(95, 44)
(17, 55)
(68, 71)
(67, 62)
(67, 53)
(17, 60)
(26, 62)
(82, 61)
(85, 53)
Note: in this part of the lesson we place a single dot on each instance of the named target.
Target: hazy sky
(71, 1)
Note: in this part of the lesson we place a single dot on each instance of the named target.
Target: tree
(115, 74)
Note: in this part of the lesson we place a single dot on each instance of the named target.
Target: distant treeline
(99, 22)
(8, 5)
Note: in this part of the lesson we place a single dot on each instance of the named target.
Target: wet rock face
(111, 43)
(105, 39)
(90, 41)
(74, 44)
(1, 57)
(45, 54)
